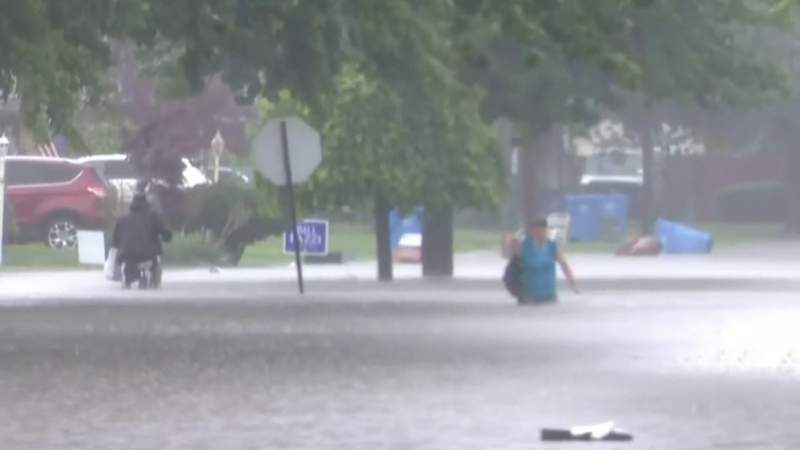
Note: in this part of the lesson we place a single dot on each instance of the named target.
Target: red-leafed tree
(160, 130)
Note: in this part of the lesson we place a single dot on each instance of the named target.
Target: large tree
(386, 150)
(402, 46)
(691, 55)
(768, 127)
(54, 56)
(161, 133)
(545, 64)
(369, 160)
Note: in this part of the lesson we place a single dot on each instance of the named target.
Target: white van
(122, 174)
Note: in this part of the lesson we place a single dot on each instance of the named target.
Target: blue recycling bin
(583, 225)
(400, 225)
(681, 239)
(595, 217)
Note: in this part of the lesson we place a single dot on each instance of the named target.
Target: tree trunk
(234, 254)
(648, 172)
(529, 195)
(383, 239)
(437, 241)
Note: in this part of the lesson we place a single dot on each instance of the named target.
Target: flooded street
(173, 172)
(421, 369)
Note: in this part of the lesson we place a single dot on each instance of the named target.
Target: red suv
(52, 198)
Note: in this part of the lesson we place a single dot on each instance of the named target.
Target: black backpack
(512, 277)
(139, 236)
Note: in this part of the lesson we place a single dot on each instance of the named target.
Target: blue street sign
(313, 235)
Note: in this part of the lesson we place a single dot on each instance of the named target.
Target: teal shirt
(539, 270)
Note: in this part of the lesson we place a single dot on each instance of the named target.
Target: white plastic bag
(111, 269)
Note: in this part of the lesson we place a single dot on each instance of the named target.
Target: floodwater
(688, 370)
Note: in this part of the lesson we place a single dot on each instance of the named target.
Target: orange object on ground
(642, 246)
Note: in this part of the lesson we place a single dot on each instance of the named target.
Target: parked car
(52, 198)
(122, 174)
(117, 171)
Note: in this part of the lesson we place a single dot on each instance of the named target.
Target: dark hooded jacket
(139, 234)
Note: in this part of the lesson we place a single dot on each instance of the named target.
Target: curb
(674, 284)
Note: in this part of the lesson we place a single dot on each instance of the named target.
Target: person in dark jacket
(138, 238)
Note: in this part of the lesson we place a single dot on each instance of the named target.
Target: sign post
(287, 167)
(286, 152)
(2, 204)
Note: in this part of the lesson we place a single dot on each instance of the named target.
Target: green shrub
(192, 250)
(10, 233)
(752, 202)
(232, 215)
(174, 205)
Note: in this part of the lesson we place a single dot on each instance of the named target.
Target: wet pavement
(415, 365)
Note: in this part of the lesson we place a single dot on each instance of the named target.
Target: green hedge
(192, 250)
(230, 215)
(752, 202)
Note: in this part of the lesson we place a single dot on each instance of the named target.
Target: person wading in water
(538, 256)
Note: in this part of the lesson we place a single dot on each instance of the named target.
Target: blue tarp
(400, 225)
(681, 239)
